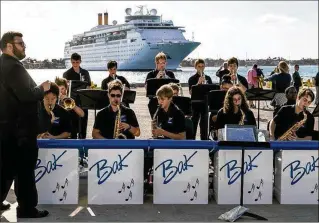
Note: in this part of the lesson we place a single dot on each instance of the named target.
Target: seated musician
(170, 119)
(104, 126)
(112, 68)
(188, 119)
(291, 95)
(55, 120)
(294, 115)
(235, 106)
(198, 109)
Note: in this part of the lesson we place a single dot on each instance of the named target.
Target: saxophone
(242, 120)
(117, 132)
(293, 129)
(154, 123)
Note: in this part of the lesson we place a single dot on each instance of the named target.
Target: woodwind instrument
(117, 131)
(201, 74)
(242, 120)
(154, 123)
(293, 129)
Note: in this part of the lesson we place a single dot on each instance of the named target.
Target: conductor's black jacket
(20, 98)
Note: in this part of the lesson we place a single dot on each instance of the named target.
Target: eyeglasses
(21, 44)
(116, 95)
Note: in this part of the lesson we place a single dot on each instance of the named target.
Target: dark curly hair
(228, 102)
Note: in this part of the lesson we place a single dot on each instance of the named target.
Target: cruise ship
(133, 44)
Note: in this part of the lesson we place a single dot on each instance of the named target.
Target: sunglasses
(116, 95)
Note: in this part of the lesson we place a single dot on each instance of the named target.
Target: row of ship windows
(90, 46)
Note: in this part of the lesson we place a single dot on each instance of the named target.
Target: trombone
(68, 103)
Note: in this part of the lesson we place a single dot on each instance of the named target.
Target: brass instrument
(201, 74)
(180, 89)
(68, 103)
(242, 120)
(162, 74)
(293, 129)
(117, 131)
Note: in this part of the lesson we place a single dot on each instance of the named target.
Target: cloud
(275, 19)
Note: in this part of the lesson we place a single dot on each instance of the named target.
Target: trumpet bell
(68, 103)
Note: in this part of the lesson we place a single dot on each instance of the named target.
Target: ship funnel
(100, 19)
(106, 18)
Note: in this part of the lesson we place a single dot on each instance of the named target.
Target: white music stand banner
(180, 176)
(57, 177)
(115, 176)
(258, 169)
(296, 177)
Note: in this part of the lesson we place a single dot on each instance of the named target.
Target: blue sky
(225, 29)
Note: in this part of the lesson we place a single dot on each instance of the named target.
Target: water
(307, 72)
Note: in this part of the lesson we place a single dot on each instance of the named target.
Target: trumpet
(180, 89)
(161, 74)
(154, 123)
(201, 74)
(68, 103)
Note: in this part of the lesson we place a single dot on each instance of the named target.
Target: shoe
(32, 213)
(4, 207)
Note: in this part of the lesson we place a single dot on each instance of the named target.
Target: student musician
(112, 68)
(294, 122)
(160, 70)
(76, 112)
(237, 79)
(77, 73)
(168, 121)
(235, 110)
(115, 120)
(198, 109)
(54, 120)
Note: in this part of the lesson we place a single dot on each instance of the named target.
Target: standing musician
(198, 109)
(168, 121)
(160, 71)
(76, 112)
(235, 110)
(112, 68)
(55, 120)
(76, 72)
(116, 120)
(294, 122)
(237, 79)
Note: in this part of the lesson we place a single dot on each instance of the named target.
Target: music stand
(153, 84)
(241, 210)
(216, 100)
(183, 103)
(94, 99)
(77, 85)
(315, 112)
(199, 96)
(129, 96)
(259, 94)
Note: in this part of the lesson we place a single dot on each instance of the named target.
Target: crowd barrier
(181, 173)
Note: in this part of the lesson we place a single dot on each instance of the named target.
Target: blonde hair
(283, 67)
(165, 91)
(159, 56)
(174, 86)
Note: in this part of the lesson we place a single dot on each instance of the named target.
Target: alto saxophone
(293, 129)
(117, 131)
(242, 120)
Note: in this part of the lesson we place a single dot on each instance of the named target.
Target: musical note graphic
(122, 189)
(197, 183)
(259, 196)
(56, 188)
(131, 184)
(194, 197)
(187, 188)
(129, 196)
(64, 196)
(261, 183)
(315, 189)
(252, 188)
(65, 183)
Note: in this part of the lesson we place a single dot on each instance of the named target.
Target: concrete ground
(151, 212)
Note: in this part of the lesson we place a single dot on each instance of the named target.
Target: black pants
(199, 116)
(18, 161)
(84, 123)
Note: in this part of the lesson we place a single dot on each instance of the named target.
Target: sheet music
(240, 134)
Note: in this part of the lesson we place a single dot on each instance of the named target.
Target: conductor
(20, 99)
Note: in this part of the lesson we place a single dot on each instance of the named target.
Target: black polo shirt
(242, 80)
(234, 118)
(61, 124)
(84, 75)
(105, 121)
(104, 85)
(193, 80)
(153, 74)
(287, 117)
(172, 121)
